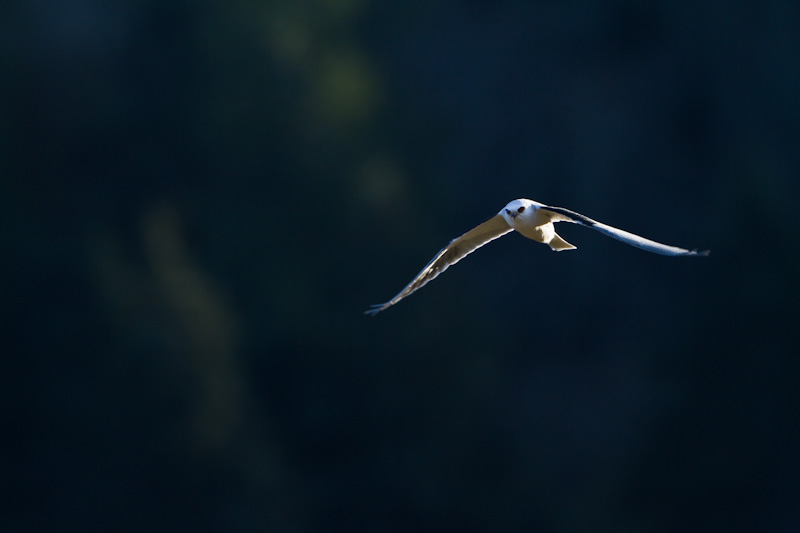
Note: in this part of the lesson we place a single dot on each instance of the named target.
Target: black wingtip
(375, 309)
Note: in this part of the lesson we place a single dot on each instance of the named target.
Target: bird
(534, 221)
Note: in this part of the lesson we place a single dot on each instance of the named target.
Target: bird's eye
(508, 212)
(521, 209)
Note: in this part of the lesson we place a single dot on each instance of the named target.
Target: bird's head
(518, 210)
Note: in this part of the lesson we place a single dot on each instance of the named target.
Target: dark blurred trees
(201, 198)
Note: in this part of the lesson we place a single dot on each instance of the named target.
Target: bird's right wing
(451, 254)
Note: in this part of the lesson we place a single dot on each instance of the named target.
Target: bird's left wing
(559, 214)
(451, 254)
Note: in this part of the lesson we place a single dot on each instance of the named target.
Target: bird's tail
(558, 244)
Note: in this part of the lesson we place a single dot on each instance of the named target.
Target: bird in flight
(534, 221)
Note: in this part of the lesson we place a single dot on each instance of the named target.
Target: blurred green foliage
(201, 198)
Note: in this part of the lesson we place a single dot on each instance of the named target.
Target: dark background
(200, 199)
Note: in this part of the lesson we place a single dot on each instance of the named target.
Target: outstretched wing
(559, 214)
(449, 255)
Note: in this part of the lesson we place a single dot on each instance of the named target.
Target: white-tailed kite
(534, 221)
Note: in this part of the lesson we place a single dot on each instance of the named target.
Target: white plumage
(533, 220)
